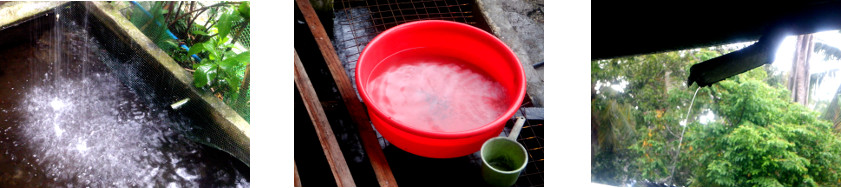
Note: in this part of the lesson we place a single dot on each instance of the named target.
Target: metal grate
(359, 21)
(389, 13)
(531, 137)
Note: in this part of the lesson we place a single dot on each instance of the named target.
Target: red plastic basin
(439, 89)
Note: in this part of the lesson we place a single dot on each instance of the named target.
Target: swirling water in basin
(435, 93)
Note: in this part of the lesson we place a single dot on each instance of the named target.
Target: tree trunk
(592, 90)
(594, 134)
(667, 82)
(243, 87)
(799, 80)
(594, 125)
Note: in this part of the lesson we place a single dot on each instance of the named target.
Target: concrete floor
(519, 24)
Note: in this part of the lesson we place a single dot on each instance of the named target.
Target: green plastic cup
(503, 158)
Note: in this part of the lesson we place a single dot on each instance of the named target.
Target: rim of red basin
(456, 26)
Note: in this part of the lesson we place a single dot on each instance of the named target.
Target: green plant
(223, 70)
(221, 43)
(763, 140)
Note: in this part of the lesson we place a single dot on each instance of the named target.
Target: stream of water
(684, 123)
(67, 120)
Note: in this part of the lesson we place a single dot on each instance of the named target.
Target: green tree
(762, 140)
(758, 137)
(650, 106)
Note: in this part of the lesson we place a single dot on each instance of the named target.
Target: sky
(785, 57)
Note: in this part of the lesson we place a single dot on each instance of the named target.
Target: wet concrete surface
(519, 24)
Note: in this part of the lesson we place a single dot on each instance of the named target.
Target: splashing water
(69, 121)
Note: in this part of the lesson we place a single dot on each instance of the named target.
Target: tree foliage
(763, 140)
(757, 138)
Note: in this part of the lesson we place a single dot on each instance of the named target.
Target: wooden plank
(355, 108)
(297, 178)
(325, 134)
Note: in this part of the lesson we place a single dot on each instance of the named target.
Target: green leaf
(224, 24)
(204, 75)
(199, 32)
(169, 44)
(229, 53)
(239, 59)
(223, 41)
(245, 9)
(214, 54)
(233, 83)
(197, 48)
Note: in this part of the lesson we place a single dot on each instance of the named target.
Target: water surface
(435, 93)
(66, 119)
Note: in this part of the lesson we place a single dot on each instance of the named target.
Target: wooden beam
(325, 134)
(297, 178)
(355, 108)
